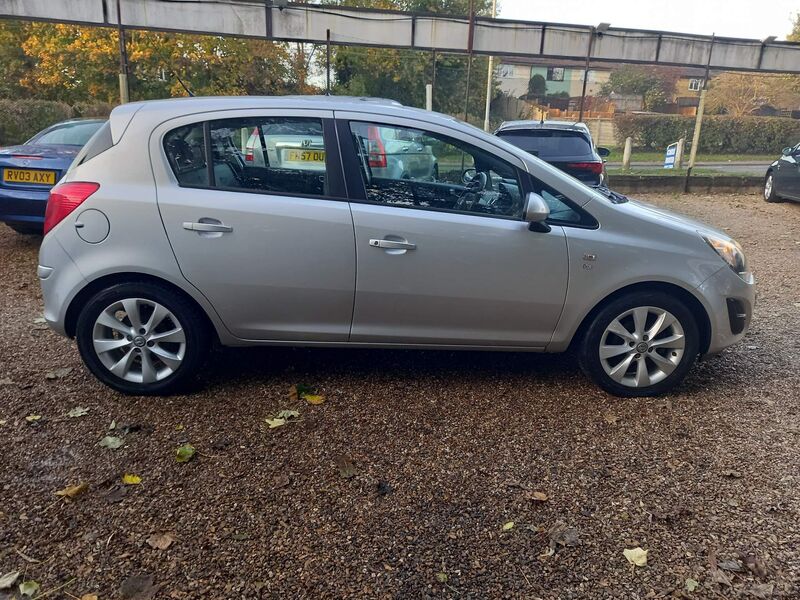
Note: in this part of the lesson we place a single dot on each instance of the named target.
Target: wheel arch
(692, 303)
(96, 285)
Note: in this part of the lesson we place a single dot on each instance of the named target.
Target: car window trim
(358, 189)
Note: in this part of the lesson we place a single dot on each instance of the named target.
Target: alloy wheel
(139, 340)
(642, 346)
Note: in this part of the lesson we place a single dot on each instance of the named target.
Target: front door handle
(392, 244)
(208, 227)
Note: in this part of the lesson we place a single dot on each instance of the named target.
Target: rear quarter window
(186, 154)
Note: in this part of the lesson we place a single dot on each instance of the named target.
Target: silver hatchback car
(162, 240)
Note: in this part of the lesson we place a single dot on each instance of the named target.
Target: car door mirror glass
(536, 209)
(603, 152)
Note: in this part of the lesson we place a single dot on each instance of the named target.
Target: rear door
(448, 262)
(270, 244)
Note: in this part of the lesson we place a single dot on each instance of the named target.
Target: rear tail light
(595, 168)
(376, 151)
(64, 198)
(248, 157)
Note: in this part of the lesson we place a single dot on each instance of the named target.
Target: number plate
(305, 156)
(29, 176)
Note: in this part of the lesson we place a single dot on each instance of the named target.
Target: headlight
(729, 251)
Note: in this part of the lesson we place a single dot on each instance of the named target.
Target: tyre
(642, 344)
(27, 229)
(769, 189)
(142, 338)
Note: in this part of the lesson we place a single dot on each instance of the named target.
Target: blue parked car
(29, 170)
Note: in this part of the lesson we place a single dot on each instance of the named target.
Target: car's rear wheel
(142, 338)
(769, 189)
(642, 344)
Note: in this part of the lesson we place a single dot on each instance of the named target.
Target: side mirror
(536, 212)
(787, 151)
(603, 152)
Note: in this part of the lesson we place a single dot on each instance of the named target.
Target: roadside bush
(720, 134)
(21, 119)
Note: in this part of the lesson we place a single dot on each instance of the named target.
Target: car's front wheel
(769, 189)
(142, 338)
(642, 344)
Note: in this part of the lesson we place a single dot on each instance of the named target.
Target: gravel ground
(404, 481)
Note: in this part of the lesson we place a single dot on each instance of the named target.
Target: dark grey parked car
(782, 181)
(567, 146)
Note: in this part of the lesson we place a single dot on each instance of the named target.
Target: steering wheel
(472, 190)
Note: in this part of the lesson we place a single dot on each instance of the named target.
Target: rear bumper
(23, 206)
(730, 302)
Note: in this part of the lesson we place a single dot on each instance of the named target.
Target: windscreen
(71, 134)
(546, 143)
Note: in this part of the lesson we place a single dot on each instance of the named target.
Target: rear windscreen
(549, 142)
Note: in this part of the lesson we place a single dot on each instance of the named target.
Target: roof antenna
(183, 85)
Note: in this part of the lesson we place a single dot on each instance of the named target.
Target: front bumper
(730, 301)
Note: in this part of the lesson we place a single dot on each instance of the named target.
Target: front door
(450, 261)
(270, 241)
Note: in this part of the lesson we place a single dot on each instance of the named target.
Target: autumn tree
(655, 85)
(740, 94)
(794, 35)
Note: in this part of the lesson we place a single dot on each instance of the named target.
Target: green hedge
(21, 119)
(720, 134)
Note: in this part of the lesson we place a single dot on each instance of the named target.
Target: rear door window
(284, 155)
(549, 142)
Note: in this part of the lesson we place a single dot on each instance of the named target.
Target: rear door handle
(392, 244)
(210, 227)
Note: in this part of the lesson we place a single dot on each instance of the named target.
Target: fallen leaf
(184, 453)
(40, 320)
(89, 597)
(28, 588)
(441, 577)
(280, 481)
(9, 579)
(58, 373)
(138, 587)
(300, 391)
(508, 526)
(636, 556)
(732, 474)
(78, 411)
(562, 535)
(346, 467)
(179, 427)
(240, 537)
(273, 423)
(161, 541)
(3, 422)
(610, 418)
(288, 414)
(111, 441)
(538, 496)
(731, 565)
(691, 584)
(6, 381)
(131, 479)
(763, 590)
(314, 399)
(72, 491)
(717, 576)
(32, 418)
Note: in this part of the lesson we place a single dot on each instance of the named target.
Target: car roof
(531, 124)
(160, 110)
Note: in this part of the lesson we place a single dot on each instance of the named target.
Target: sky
(731, 18)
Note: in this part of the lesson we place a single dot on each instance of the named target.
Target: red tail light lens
(376, 151)
(249, 157)
(65, 198)
(593, 167)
